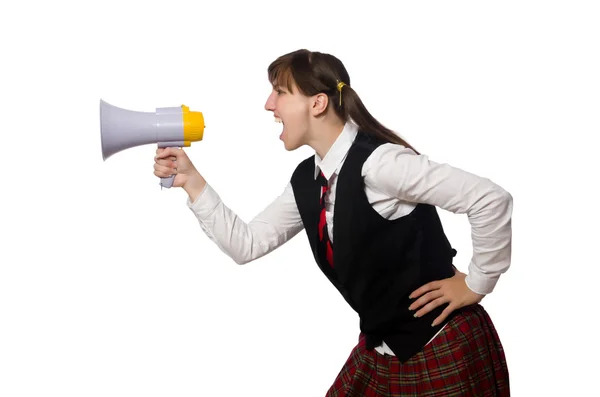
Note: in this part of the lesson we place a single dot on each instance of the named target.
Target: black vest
(377, 262)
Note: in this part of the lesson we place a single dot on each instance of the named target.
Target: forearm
(194, 186)
(241, 241)
(491, 233)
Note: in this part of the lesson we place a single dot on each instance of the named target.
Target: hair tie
(340, 85)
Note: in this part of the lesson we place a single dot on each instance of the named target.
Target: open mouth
(279, 121)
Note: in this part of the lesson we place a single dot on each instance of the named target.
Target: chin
(290, 147)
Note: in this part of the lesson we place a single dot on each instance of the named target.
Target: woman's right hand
(174, 161)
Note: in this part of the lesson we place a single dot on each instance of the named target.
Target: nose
(270, 104)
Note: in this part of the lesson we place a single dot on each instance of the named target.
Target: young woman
(367, 201)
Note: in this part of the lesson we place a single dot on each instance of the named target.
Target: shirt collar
(337, 153)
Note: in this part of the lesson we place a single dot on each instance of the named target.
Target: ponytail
(353, 108)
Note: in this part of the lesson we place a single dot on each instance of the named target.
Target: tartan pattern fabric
(323, 234)
(465, 359)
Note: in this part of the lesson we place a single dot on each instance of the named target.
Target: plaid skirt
(465, 359)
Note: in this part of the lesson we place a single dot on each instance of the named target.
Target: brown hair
(317, 72)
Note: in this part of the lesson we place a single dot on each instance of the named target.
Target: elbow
(240, 260)
(503, 205)
(499, 204)
(501, 200)
(507, 196)
(507, 199)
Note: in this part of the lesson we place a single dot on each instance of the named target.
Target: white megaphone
(122, 129)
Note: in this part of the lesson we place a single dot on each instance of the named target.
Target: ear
(319, 104)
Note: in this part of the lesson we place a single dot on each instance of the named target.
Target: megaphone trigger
(122, 129)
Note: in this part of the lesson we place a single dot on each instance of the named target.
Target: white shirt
(396, 179)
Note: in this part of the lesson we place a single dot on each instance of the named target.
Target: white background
(108, 286)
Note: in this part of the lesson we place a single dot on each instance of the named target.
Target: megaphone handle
(167, 182)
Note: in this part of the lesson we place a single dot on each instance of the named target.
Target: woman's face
(293, 111)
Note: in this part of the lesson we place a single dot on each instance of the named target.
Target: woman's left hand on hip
(453, 290)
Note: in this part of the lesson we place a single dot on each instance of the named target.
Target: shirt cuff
(481, 283)
(205, 203)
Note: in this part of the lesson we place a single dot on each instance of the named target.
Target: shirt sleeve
(242, 241)
(399, 172)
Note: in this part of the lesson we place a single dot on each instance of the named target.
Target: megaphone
(122, 129)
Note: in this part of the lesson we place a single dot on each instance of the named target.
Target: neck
(324, 133)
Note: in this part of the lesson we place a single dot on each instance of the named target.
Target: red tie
(323, 234)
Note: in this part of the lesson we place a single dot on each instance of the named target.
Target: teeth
(278, 120)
